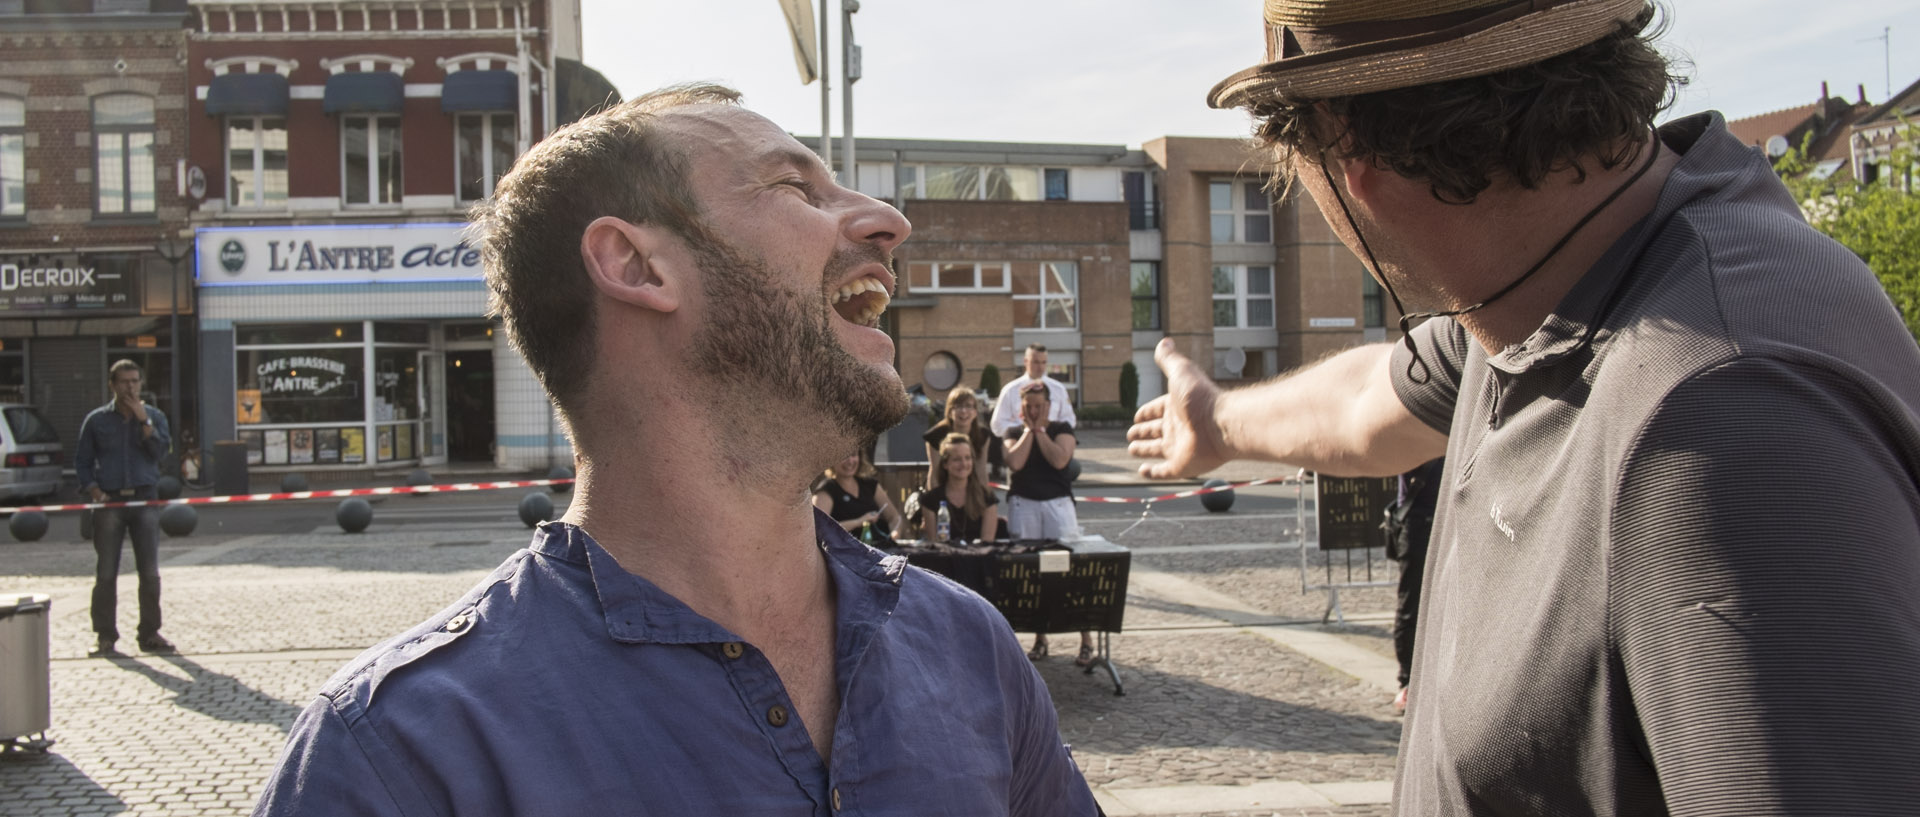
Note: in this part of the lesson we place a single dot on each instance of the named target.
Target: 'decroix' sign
(75, 282)
(335, 254)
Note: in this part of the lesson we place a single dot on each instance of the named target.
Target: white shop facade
(361, 347)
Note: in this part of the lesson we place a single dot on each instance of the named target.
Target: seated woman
(972, 510)
(851, 495)
(962, 417)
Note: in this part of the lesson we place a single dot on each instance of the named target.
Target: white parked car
(29, 454)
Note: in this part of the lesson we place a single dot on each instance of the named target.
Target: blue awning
(263, 94)
(480, 91)
(365, 92)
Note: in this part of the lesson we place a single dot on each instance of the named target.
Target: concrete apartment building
(1098, 252)
(93, 266)
(342, 316)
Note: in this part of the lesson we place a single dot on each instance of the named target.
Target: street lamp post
(850, 64)
(168, 251)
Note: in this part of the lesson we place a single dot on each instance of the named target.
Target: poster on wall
(276, 447)
(255, 446)
(300, 446)
(403, 442)
(326, 446)
(246, 406)
(385, 449)
(353, 445)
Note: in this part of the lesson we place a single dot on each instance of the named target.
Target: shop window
(300, 385)
(941, 373)
(1046, 295)
(256, 161)
(483, 151)
(1242, 297)
(418, 334)
(13, 370)
(1239, 212)
(123, 154)
(458, 332)
(957, 276)
(1146, 294)
(370, 159)
(298, 333)
(13, 157)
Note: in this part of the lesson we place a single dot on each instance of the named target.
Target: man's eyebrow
(792, 158)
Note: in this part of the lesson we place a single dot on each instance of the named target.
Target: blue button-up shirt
(565, 685)
(112, 454)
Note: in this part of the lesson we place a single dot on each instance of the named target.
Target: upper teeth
(875, 305)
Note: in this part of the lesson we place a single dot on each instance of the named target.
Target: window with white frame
(13, 157)
(123, 154)
(483, 151)
(370, 159)
(1240, 212)
(969, 182)
(1242, 297)
(1046, 295)
(957, 276)
(256, 161)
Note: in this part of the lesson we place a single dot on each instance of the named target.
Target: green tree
(1879, 221)
(990, 381)
(1129, 386)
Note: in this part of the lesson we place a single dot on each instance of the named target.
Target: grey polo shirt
(1676, 568)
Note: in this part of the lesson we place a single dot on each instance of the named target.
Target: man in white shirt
(1006, 412)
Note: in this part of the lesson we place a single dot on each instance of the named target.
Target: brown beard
(768, 341)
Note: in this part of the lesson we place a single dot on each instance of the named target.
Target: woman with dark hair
(962, 417)
(849, 493)
(973, 511)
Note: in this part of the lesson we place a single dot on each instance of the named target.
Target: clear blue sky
(1125, 71)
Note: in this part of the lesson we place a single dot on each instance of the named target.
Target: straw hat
(1322, 48)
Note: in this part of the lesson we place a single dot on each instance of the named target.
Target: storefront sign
(57, 283)
(333, 255)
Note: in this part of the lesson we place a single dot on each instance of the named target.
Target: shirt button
(459, 622)
(732, 649)
(836, 798)
(777, 715)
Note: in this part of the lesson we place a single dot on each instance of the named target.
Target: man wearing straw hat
(1675, 565)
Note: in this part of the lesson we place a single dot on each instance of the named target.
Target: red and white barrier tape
(278, 497)
(1122, 500)
(521, 483)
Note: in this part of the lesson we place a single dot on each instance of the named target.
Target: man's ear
(635, 264)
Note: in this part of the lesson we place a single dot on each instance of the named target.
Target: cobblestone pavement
(262, 621)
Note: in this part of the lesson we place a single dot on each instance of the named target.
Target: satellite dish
(1236, 360)
(196, 183)
(1776, 146)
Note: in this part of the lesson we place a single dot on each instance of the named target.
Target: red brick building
(93, 127)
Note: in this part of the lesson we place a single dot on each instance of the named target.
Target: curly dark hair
(617, 162)
(1521, 124)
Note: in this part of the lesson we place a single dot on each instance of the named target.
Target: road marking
(202, 555)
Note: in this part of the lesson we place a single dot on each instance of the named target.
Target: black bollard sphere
(293, 483)
(27, 526)
(419, 476)
(560, 472)
(167, 488)
(1217, 502)
(353, 514)
(535, 508)
(179, 520)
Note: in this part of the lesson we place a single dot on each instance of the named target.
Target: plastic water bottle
(944, 521)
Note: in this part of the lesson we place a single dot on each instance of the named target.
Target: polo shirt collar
(1710, 160)
(866, 584)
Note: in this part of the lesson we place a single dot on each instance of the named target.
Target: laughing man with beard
(693, 638)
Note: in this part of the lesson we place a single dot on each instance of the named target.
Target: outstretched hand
(1178, 428)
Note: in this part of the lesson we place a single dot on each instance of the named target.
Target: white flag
(806, 45)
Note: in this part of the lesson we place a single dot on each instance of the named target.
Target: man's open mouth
(861, 301)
